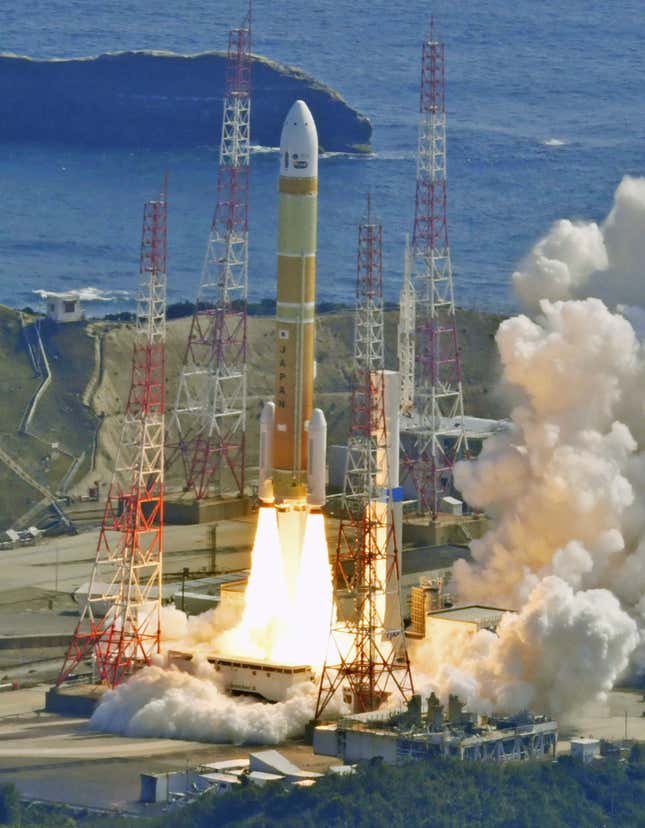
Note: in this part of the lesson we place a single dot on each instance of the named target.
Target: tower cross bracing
(120, 623)
(208, 428)
(439, 437)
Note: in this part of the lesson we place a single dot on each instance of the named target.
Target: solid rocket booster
(296, 477)
(317, 454)
(267, 424)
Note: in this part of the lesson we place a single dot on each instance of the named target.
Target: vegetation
(437, 794)
(17, 386)
(69, 416)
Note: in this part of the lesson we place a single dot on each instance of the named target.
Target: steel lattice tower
(209, 420)
(127, 573)
(367, 649)
(439, 434)
(405, 334)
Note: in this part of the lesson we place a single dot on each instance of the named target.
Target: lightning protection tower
(439, 435)
(405, 343)
(120, 622)
(367, 656)
(209, 420)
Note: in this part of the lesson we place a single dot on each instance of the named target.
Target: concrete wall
(360, 745)
(183, 512)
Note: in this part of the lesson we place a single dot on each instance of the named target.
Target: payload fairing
(293, 435)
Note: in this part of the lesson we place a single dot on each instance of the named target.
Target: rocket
(293, 435)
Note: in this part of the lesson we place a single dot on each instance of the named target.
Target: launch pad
(267, 680)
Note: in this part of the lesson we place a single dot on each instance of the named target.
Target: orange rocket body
(295, 310)
(293, 435)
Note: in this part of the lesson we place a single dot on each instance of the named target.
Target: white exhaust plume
(565, 491)
(174, 704)
(579, 259)
(564, 648)
(561, 262)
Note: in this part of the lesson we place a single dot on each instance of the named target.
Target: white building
(63, 307)
(585, 750)
(365, 737)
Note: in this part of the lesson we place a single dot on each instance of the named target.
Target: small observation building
(63, 307)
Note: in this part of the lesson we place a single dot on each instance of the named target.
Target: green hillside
(90, 366)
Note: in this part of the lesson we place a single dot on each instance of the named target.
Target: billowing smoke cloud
(176, 704)
(561, 262)
(565, 490)
(563, 648)
(580, 259)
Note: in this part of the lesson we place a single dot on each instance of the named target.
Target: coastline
(154, 99)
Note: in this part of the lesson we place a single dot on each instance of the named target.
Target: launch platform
(265, 679)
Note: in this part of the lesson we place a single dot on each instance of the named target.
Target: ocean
(546, 113)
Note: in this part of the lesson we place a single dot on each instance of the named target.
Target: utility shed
(220, 782)
(260, 778)
(272, 761)
(63, 307)
(452, 505)
(585, 750)
(154, 787)
(226, 766)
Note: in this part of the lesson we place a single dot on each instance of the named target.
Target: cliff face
(160, 99)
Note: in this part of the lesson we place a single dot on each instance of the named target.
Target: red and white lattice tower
(120, 622)
(405, 334)
(439, 433)
(209, 420)
(367, 657)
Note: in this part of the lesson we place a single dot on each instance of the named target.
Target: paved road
(62, 564)
(59, 759)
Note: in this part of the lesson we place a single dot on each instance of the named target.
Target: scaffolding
(119, 625)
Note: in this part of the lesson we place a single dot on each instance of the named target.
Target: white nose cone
(299, 143)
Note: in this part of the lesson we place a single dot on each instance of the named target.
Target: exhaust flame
(314, 596)
(263, 621)
(288, 601)
(286, 617)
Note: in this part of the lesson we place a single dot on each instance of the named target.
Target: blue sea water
(546, 113)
